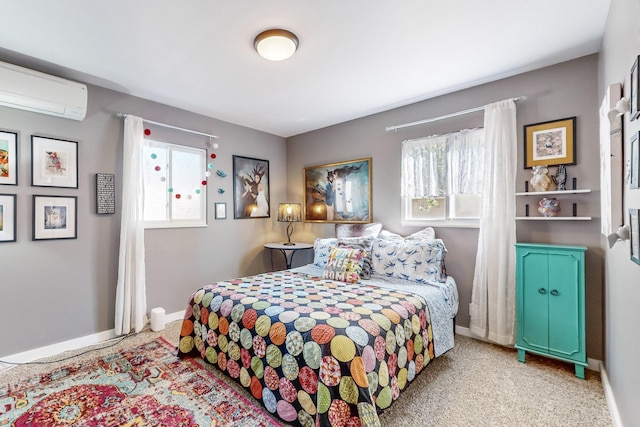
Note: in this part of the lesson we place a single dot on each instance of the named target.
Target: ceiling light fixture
(276, 44)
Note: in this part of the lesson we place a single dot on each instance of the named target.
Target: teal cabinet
(550, 302)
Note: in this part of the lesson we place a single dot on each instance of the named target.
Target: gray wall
(565, 90)
(620, 48)
(57, 290)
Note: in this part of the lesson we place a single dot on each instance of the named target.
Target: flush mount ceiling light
(276, 44)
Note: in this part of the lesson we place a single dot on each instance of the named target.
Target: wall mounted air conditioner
(41, 93)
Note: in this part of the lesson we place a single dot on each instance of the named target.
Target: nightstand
(288, 250)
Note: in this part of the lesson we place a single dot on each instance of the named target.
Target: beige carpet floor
(475, 384)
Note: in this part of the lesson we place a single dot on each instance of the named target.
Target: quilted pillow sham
(344, 265)
(420, 261)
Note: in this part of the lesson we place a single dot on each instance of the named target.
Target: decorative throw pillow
(344, 265)
(365, 244)
(416, 260)
(321, 249)
(358, 230)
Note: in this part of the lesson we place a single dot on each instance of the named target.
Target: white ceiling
(356, 57)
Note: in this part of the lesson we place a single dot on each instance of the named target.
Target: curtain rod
(446, 116)
(164, 125)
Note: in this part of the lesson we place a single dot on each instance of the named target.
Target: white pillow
(427, 234)
(387, 235)
(358, 230)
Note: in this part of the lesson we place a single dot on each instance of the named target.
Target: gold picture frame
(550, 143)
(338, 192)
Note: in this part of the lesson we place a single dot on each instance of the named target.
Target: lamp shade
(276, 44)
(289, 212)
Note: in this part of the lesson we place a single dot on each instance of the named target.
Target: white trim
(74, 344)
(611, 401)
(592, 364)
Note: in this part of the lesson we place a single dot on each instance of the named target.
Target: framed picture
(634, 235)
(54, 217)
(8, 158)
(221, 210)
(105, 193)
(338, 192)
(7, 218)
(635, 160)
(250, 188)
(550, 143)
(634, 80)
(54, 162)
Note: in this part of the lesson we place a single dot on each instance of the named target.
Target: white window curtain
(131, 294)
(492, 307)
(443, 165)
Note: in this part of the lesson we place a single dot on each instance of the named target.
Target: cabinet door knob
(555, 293)
(542, 290)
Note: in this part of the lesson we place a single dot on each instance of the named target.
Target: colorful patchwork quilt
(313, 351)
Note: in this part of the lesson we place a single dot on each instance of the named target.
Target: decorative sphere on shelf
(549, 207)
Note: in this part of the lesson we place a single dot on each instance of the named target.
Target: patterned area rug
(146, 385)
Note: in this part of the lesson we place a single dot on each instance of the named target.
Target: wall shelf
(554, 218)
(543, 193)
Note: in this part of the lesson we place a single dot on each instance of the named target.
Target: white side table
(288, 250)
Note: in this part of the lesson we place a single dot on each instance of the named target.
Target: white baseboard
(592, 364)
(74, 344)
(608, 393)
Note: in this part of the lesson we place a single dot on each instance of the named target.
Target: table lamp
(289, 212)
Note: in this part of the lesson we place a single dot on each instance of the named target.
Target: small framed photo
(54, 162)
(634, 235)
(634, 80)
(55, 217)
(8, 158)
(550, 143)
(338, 192)
(250, 188)
(221, 210)
(7, 218)
(635, 161)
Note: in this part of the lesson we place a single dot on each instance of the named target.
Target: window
(174, 194)
(442, 179)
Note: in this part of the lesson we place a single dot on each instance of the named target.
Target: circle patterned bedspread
(312, 351)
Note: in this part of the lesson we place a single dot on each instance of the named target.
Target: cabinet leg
(521, 356)
(579, 371)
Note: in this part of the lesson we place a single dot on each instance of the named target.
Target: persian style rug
(146, 385)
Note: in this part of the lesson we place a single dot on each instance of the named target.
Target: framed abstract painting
(54, 162)
(8, 158)
(338, 192)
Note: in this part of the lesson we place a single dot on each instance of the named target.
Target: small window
(174, 194)
(442, 179)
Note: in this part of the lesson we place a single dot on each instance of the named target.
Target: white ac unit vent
(31, 90)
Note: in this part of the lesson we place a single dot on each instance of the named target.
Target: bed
(335, 342)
